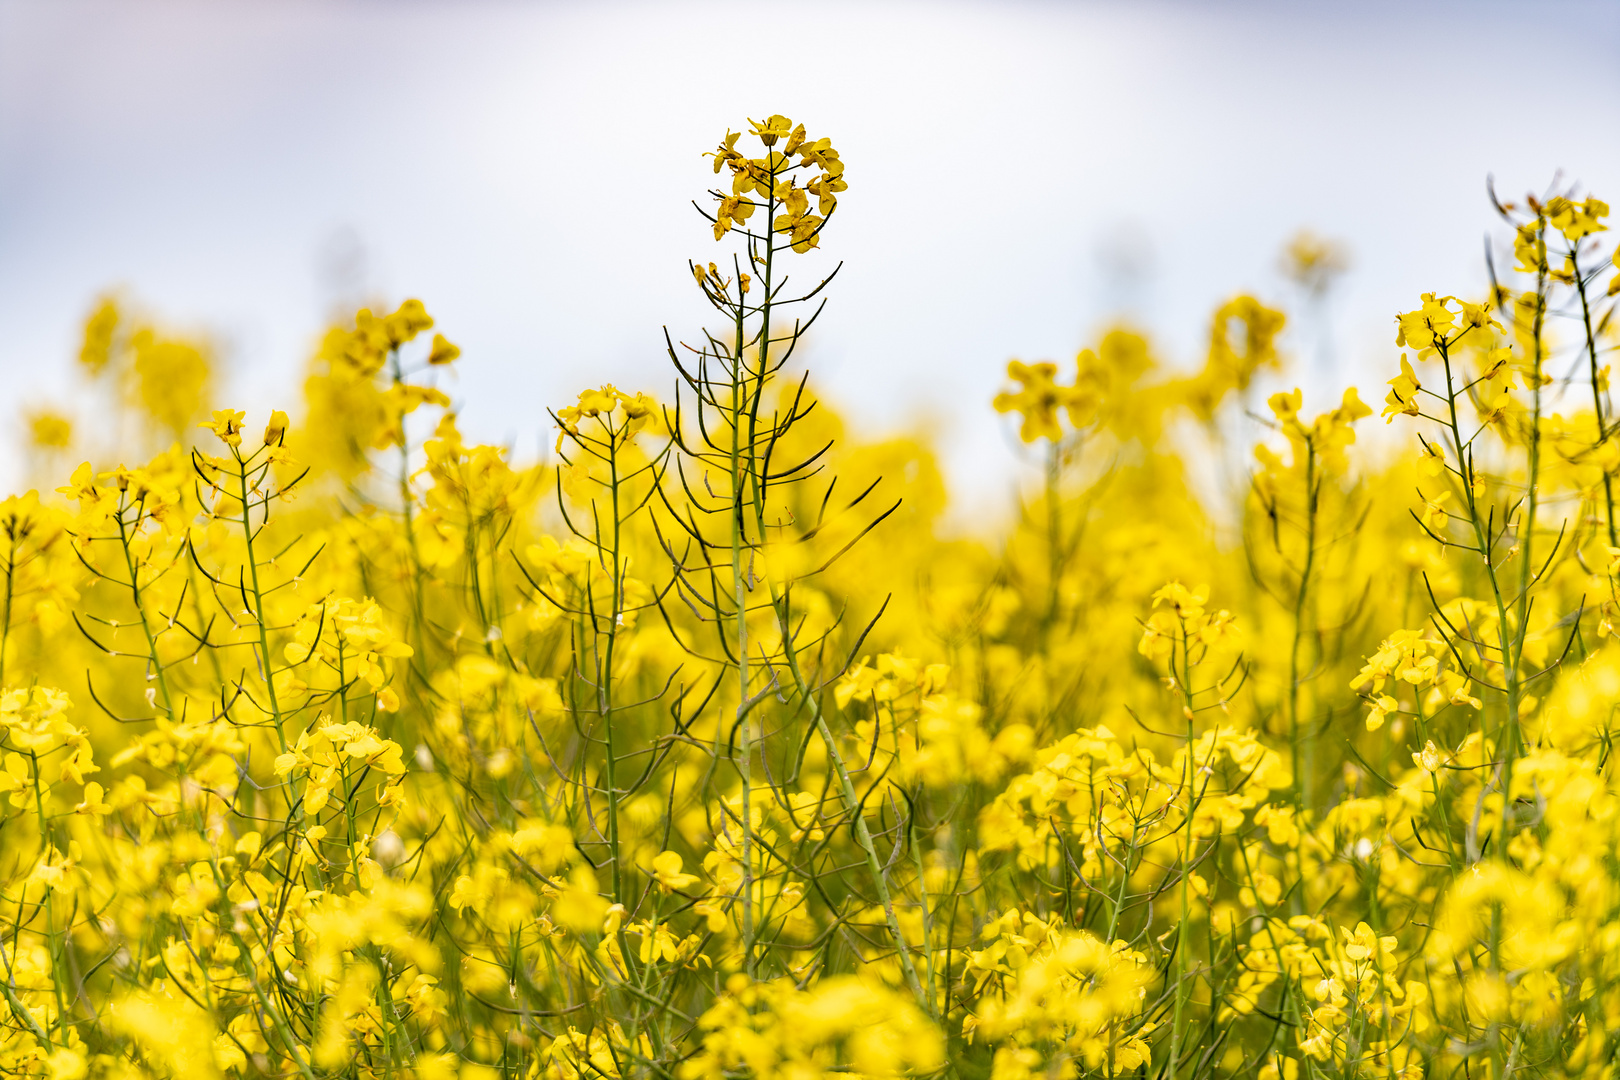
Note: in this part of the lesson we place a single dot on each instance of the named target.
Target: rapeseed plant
(330, 749)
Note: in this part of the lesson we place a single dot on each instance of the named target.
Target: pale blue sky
(526, 170)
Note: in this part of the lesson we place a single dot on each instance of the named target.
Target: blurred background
(1021, 174)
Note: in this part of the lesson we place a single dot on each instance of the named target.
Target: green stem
(1303, 764)
(140, 611)
(739, 475)
(258, 595)
(1597, 394)
(927, 918)
(604, 676)
(1054, 539)
(1186, 863)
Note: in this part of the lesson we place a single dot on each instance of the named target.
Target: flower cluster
(334, 743)
(771, 182)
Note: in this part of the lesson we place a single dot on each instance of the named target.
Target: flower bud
(442, 352)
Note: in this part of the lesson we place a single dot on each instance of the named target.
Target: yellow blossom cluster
(702, 748)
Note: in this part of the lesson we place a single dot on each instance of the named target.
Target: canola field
(698, 751)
